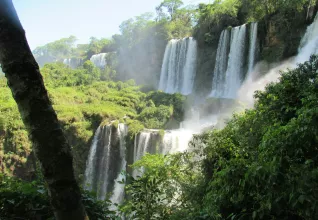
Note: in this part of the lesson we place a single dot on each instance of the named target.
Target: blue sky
(48, 20)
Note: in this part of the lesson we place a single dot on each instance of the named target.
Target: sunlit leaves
(264, 164)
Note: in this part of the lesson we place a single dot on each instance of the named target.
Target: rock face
(208, 36)
(280, 37)
(205, 65)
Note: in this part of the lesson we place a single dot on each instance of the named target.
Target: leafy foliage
(29, 200)
(82, 102)
(166, 188)
(258, 9)
(263, 164)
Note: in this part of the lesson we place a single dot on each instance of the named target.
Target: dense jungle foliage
(82, 101)
(261, 165)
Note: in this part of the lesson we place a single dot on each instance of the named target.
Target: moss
(115, 124)
(134, 127)
(161, 133)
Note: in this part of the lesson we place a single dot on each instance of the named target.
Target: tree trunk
(49, 143)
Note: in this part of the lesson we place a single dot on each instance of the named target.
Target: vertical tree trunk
(49, 143)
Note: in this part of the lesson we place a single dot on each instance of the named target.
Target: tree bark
(49, 143)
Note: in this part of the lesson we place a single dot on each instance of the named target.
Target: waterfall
(152, 142)
(73, 62)
(252, 47)
(234, 72)
(221, 64)
(226, 84)
(308, 47)
(145, 142)
(309, 42)
(179, 66)
(189, 69)
(105, 162)
(99, 60)
(175, 141)
(119, 189)
(91, 162)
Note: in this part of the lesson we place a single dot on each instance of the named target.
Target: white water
(91, 162)
(119, 188)
(141, 147)
(189, 69)
(104, 166)
(105, 162)
(99, 60)
(309, 43)
(249, 87)
(308, 47)
(234, 72)
(179, 66)
(73, 62)
(150, 141)
(220, 64)
(252, 47)
(226, 84)
(175, 141)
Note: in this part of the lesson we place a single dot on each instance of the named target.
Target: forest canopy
(262, 164)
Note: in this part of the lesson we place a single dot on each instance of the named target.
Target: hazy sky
(48, 20)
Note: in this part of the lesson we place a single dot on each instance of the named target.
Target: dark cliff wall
(280, 35)
(208, 35)
(279, 38)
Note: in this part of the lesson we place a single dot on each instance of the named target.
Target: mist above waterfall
(236, 77)
(73, 62)
(257, 80)
(99, 60)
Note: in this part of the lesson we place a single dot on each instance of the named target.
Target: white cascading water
(252, 47)
(308, 47)
(309, 43)
(98, 176)
(104, 165)
(119, 188)
(231, 80)
(91, 162)
(234, 72)
(141, 147)
(179, 66)
(99, 60)
(105, 162)
(189, 69)
(175, 141)
(73, 62)
(150, 141)
(221, 64)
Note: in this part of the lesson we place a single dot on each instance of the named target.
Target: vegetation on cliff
(262, 165)
(82, 101)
